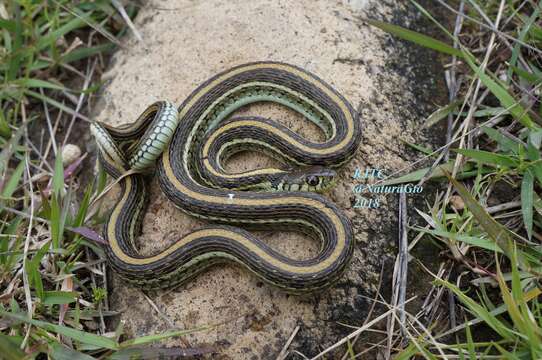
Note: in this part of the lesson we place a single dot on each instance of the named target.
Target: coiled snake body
(190, 146)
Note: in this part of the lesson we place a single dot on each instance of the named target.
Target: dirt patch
(392, 86)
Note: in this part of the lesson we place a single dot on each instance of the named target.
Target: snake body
(191, 174)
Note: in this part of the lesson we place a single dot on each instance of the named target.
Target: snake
(187, 149)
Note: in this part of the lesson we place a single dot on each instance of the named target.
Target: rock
(393, 86)
(70, 153)
(457, 202)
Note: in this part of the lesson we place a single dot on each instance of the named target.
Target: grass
(486, 299)
(53, 284)
(487, 218)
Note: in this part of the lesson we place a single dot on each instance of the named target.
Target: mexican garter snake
(189, 146)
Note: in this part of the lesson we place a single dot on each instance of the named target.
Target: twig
(504, 40)
(107, 35)
(452, 83)
(40, 156)
(160, 313)
(93, 280)
(300, 354)
(430, 305)
(127, 19)
(51, 138)
(49, 125)
(355, 333)
(472, 109)
(493, 29)
(165, 318)
(284, 352)
(403, 253)
(399, 276)
(373, 304)
(451, 308)
(88, 77)
(505, 206)
(26, 281)
(425, 157)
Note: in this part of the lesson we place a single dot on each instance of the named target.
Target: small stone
(91, 325)
(70, 153)
(60, 42)
(457, 202)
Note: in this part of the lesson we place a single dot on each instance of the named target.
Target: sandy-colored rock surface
(187, 41)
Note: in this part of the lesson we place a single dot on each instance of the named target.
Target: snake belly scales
(188, 147)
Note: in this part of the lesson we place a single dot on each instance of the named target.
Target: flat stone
(186, 42)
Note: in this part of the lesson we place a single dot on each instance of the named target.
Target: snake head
(313, 178)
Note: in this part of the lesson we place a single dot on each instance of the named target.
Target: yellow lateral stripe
(286, 89)
(284, 67)
(265, 126)
(113, 242)
(261, 125)
(267, 171)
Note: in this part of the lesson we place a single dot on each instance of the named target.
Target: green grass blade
(34, 277)
(55, 220)
(83, 208)
(496, 231)
(13, 182)
(439, 172)
(78, 335)
(8, 25)
(535, 32)
(5, 130)
(37, 83)
(50, 38)
(441, 113)
(422, 149)
(10, 349)
(16, 57)
(470, 344)
(531, 329)
(506, 100)
(535, 139)
(61, 352)
(507, 355)
(55, 104)
(522, 35)
(531, 78)
(419, 174)
(505, 143)
(9, 259)
(478, 310)
(408, 353)
(59, 297)
(58, 176)
(152, 338)
(511, 303)
(471, 240)
(417, 38)
(489, 111)
(33, 269)
(83, 53)
(487, 157)
(536, 168)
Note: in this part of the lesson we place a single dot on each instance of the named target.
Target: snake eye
(312, 180)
